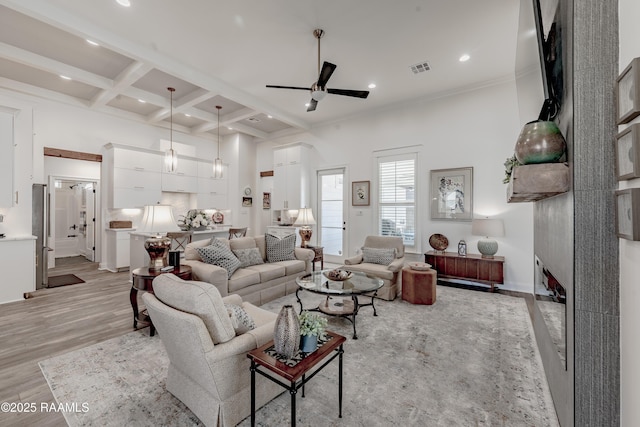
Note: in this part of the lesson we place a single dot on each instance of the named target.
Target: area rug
(63, 280)
(468, 360)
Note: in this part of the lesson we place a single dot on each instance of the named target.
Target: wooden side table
(319, 256)
(419, 286)
(143, 281)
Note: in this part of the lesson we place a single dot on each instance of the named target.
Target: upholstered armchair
(208, 364)
(383, 257)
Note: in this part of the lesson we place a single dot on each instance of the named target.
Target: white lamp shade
(305, 217)
(158, 219)
(487, 227)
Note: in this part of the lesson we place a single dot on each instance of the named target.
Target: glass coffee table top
(358, 283)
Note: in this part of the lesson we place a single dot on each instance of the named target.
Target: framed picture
(628, 92)
(628, 213)
(452, 194)
(360, 193)
(628, 153)
(247, 202)
(266, 200)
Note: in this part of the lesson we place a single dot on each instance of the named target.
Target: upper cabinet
(6, 159)
(212, 193)
(291, 177)
(133, 176)
(184, 179)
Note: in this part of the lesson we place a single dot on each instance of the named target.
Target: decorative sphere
(540, 142)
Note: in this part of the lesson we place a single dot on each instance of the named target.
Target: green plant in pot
(312, 326)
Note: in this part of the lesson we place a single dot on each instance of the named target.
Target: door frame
(335, 259)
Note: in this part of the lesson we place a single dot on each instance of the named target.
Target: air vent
(420, 67)
(253, 119)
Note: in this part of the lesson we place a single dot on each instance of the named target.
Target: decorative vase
(286, 332)
(308, 343)
(540, 142)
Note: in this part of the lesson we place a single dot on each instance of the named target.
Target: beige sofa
(208, 364)
(390, 274)
(257, 284)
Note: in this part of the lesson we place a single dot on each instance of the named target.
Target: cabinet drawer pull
(138, 168)
(138, 188)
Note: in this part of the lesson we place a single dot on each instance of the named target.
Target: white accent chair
(208, 364)
(390, 274)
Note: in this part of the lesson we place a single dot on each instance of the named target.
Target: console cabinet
(472, 267)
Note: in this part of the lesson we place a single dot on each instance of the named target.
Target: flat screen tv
(549, 31)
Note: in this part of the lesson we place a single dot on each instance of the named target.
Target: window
(396, 197)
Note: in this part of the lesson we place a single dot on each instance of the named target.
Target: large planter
(286, 332)
(540, 142)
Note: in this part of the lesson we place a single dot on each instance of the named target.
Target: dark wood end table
(318, 256)
(295, 370)
(143, 281)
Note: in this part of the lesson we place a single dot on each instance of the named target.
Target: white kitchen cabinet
(212, 193)
(184, 179)
(118, 248)
(6, 159)
(290, 177)
(18, 265)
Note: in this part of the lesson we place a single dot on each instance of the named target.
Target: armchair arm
(234, 299)
(357, 259)
(209, 273)
(396, 265)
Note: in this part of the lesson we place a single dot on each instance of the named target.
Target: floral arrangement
(194, 219)
(312, 323)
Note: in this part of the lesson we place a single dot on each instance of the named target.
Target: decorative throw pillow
(219, 254)
(240, 319)
(248, 257)
(280, 249)
(382, 256)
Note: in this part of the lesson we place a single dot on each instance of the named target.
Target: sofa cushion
(240, 319)
(269, 271)
(242, 243)
(293, 267)
(191, 250)
(219, 254)
(248, 257)
(382, 256)
(385, 242)
(378, 270)
(199, 298)
(280, 249)
(242, 278)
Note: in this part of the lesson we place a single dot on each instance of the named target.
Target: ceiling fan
(319, 89)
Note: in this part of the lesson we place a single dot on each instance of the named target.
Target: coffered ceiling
(224, 53)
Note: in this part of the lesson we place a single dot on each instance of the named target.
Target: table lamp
(158, 219)
(305, 220)
(487, 227)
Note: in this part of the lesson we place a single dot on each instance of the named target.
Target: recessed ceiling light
(372, 85)
(125, 3)
(270, 116)
(307, 104)
(230, 128)
(188, 115)
(142, 101)
(92, 43)
(65, 77)
(464, 58)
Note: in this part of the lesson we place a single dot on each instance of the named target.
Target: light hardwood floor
(56, 321)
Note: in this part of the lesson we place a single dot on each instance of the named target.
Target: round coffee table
(359, 284)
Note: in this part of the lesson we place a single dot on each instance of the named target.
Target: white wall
(629, 10)
(476, 128)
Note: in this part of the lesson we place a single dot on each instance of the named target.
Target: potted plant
(312, 326)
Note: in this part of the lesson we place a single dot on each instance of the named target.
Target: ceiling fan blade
(327, 69)
(312, 105)
(347, 92)
(289, 87)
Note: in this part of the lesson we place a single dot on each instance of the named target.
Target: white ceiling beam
(128, 76)
(192, 98)
(39, 92)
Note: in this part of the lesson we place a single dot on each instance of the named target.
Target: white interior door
(331, 214)
(88, 222)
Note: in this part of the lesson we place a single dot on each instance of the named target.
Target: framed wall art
(628, 92)
(266, 200)
(628, 153)
(360, 193)
(452, 194)
(628, 213)
(247, 202)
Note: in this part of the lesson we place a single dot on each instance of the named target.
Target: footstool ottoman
(419, 286)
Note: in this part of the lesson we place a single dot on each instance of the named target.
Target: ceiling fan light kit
(319, 89)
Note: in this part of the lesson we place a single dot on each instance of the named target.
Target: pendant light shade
(217, 163)
(171, 156)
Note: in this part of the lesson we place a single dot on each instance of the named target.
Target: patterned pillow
(248, 257)
(219, 254)
(240, 319)
(280, 249)
(382, 256)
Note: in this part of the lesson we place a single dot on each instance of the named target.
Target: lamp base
(305, 236)
(487, 247)
(157, 247)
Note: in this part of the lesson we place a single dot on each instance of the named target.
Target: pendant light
(217, 164)
(171, 156)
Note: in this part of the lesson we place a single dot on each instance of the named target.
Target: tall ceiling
(225, 52)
